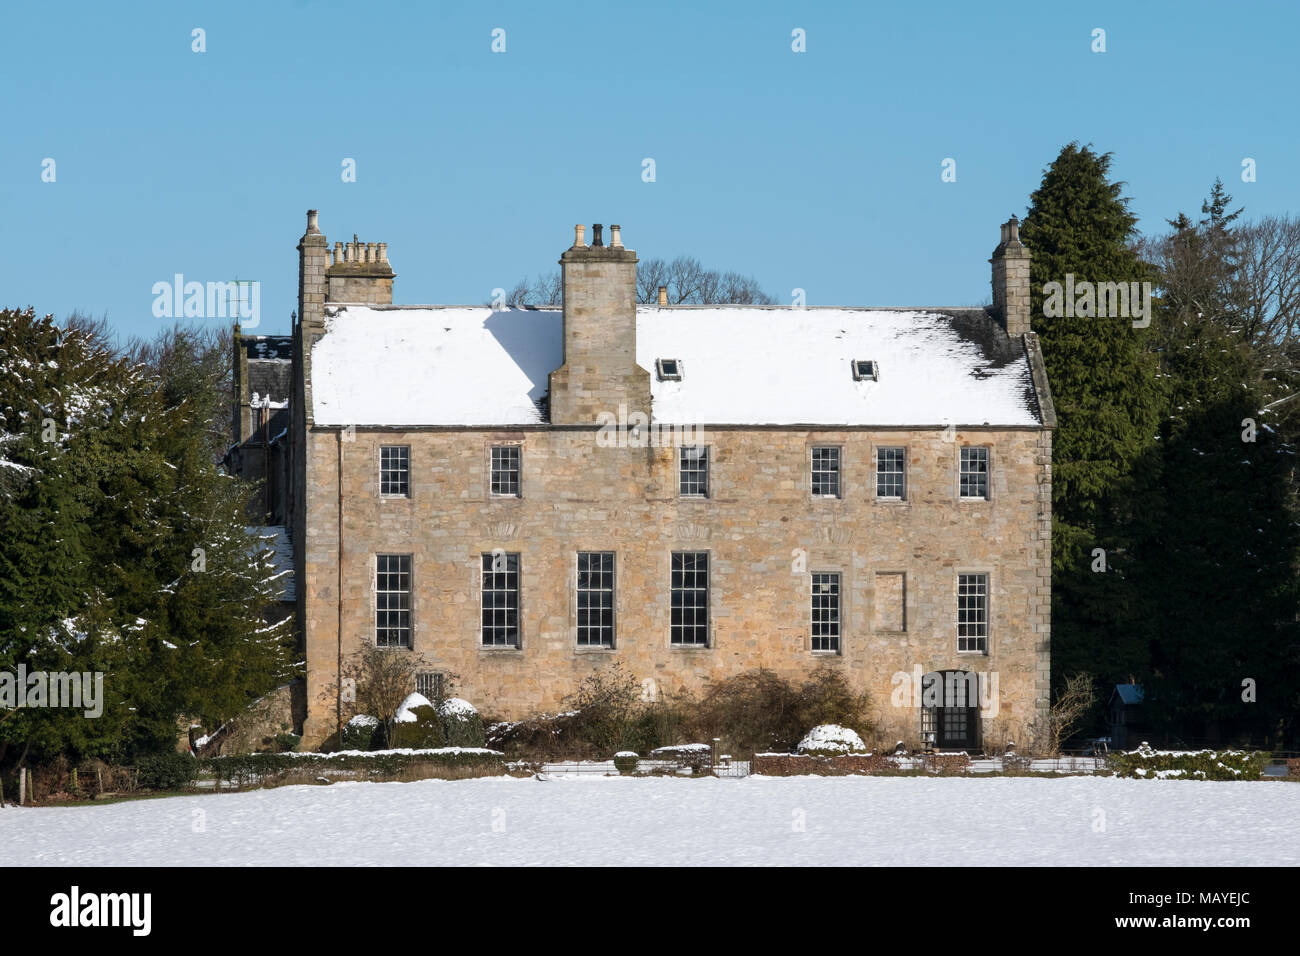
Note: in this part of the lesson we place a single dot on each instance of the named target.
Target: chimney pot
(663, 295)
(383, 252)
(579, 236)
(312, 228)
(615, 237)
(597, 240)
(370, 252)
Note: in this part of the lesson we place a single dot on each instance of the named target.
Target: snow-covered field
(879, 821)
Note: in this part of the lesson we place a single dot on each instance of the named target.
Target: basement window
(669, 370)
(864, 369)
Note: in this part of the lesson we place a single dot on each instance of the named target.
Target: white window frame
(407, 629)
(518, 470)
(486, 560)
(675, 629)
(902, 473)
(838, 471)
(978, 636)
(836, 639)
(962, 472)
(612, 590)
(682, 471)
(405, 471)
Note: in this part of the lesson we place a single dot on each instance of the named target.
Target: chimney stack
(1011, 281)
(360, 274)
(599, 371)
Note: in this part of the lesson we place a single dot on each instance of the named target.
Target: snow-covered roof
(742, 365)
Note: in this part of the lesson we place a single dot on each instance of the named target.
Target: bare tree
(383, 678)
(687, 282)
(1069, 709)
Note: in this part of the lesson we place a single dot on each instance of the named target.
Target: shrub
(461, 724)
(166, 771)
(625, 762)
(946, 764)
(287, 742)
(695, 756)
(759, 711)
(605, 704)
(831, 740)
(1146, 763)
(360, 733)
(417, 728)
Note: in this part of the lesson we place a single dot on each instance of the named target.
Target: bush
(831, 740)
(287, 742)
(166, 771)
(605, 705)
(422, 731)
(461, 724)
(1149, 764)
(625, 762)
(760, 712)
(360, 733)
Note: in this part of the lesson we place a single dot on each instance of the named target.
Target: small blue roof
(1129, 693)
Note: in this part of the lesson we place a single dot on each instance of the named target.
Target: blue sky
(818, 170)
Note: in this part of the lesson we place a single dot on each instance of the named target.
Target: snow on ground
(881, 821)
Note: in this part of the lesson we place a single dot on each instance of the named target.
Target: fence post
(22, 786)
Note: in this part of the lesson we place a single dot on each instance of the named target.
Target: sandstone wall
(765, 535)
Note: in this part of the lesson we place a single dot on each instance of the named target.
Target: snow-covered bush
(360, 733)
(461, 724)
(417, 725)
(831, 740)
(625, 762)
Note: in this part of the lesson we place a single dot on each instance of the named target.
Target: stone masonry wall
(763, 530)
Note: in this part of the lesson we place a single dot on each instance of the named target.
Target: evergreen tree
(1217, 538)
(1108, 399)
(109, 489)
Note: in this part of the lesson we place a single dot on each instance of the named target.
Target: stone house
(522, 496)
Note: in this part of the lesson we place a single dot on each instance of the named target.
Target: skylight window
(670, 370)
(864, 369)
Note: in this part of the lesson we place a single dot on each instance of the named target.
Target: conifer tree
(1108, 398)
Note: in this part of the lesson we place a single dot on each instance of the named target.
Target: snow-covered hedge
(1146, 763)
(270, 769)
(831, 740)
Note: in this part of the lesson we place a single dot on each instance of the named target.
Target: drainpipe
(338, 679)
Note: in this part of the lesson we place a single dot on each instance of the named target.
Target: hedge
(1145, 763)
(272, 767)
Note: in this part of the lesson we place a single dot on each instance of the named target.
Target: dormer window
(669, 370)
(864, 370)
